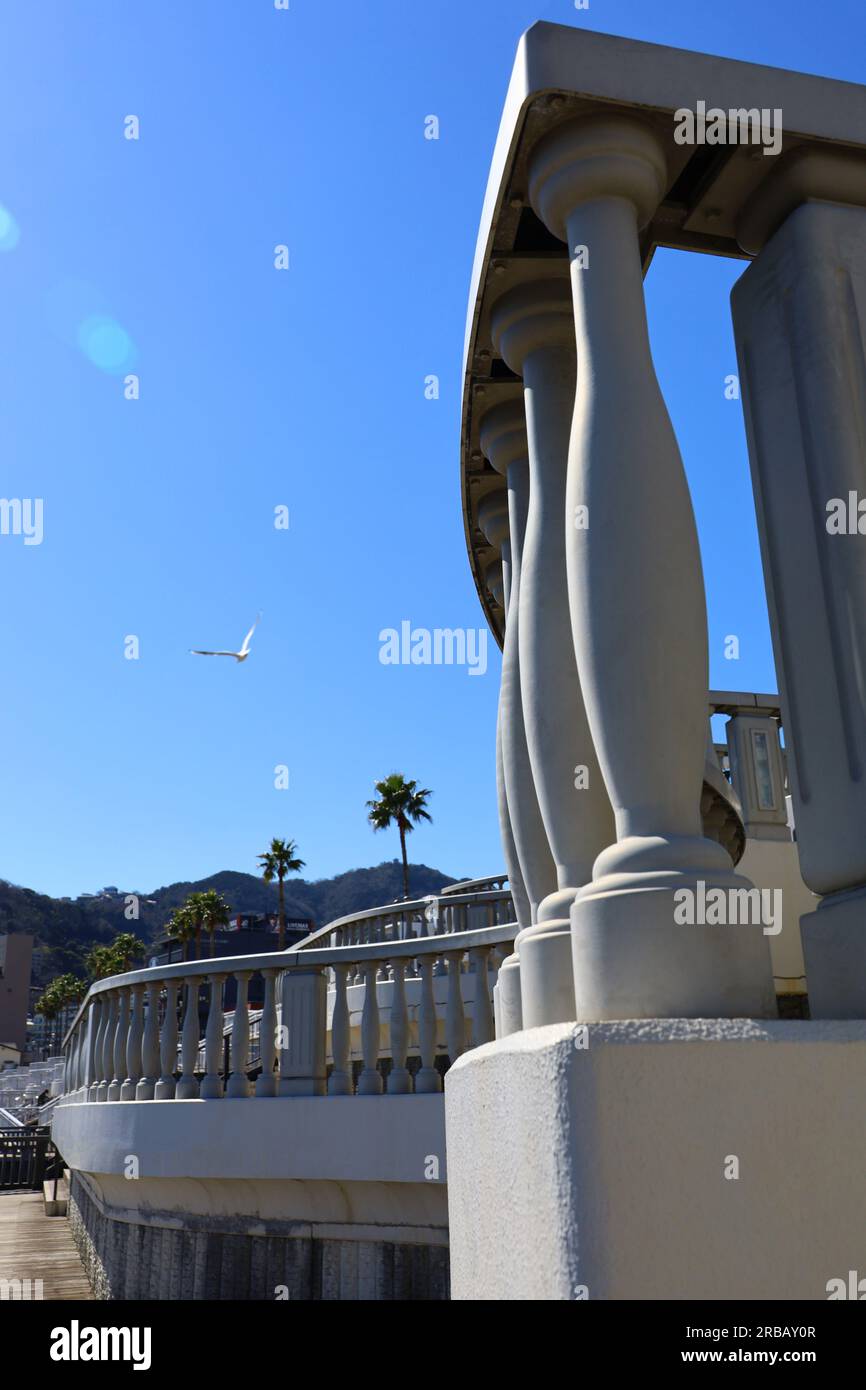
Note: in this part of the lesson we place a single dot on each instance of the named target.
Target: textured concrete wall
(658, 1159)
(166, 1256)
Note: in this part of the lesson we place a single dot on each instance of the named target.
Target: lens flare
(9, 230)
(105, 344)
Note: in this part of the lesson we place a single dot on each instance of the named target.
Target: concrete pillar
(533, 328)
(494, 522)
(504, 442)
(757, 775)
(638, 613)
(799, 313)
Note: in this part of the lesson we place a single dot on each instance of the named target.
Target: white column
(266, 1082)
(133, 1044)
(427, 1079)
(165, 1086)
(340, 1080)
(399, 1080)
(107, 1050)
(504, 442)
(211, 1084)
(238, 1085)
(187, 1084)
(100, 1004)
(533, 328)
(493, 520)
(370, 1080)
(150, 1045)
(638, 613)
(800, 325)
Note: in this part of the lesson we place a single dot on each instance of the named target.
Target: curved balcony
(316, 1121)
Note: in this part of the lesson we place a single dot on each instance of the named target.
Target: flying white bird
(238, 656)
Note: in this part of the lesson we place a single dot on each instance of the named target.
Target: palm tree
(279, 860)
(194, 905)
(126, 947)
(100, 962)
(401, 802)
(214, 913)
(181, 927)
(58, 997)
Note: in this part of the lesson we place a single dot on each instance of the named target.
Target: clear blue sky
(302, 388)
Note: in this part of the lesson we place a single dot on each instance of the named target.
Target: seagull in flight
(238, 656)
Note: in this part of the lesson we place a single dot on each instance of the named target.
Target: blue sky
(302, 388)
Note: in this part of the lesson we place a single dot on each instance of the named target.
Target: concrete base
(658, 1159)
(151, 1253)
(834, 949)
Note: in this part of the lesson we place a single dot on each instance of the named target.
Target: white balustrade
(124, 1042)
(638, 611)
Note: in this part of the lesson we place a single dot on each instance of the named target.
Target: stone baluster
(800, 327)
(150, 1045)
(503, 439)
(340, 1080)
(533, 327)
(427, 1079)
(69, 1065)
(238, 1082)
(187, 1084)
(482, 1013)
(106, 1063)
(370, 1080)
(266, 1082)
(502, 518)
(120, 1037)
(499, 581)
(637, 612)
(399, 1080)
(165, 1086)
(72, 1062)
(81, 1052)
(455, 1018)
(133, 1044)
(211, 1084)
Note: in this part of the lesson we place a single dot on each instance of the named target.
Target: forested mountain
(65, 930)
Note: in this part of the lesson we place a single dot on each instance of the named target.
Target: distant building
(248, 934)
(47, 1034)
(16, 955)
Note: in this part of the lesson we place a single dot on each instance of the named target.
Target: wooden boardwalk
(35, 1246)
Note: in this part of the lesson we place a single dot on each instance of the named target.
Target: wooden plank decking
(35, 1246)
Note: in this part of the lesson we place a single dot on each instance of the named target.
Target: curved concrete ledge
(386, 1139)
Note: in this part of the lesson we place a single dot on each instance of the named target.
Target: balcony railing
(416, 976)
